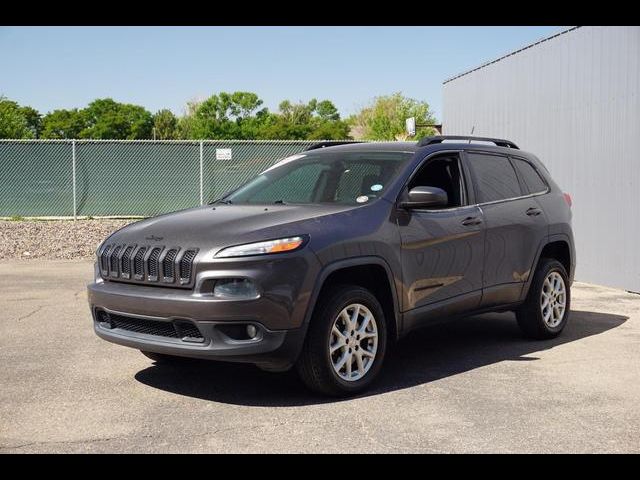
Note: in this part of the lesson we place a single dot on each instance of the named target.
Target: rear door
(514, 222)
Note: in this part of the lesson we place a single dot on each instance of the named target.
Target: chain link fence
(65, 178)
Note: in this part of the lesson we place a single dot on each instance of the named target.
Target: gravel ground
(54, 239)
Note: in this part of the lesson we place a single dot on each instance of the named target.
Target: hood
(218, 226)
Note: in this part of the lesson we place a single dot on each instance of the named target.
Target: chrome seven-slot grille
(143, 264)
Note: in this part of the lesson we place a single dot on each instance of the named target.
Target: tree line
(237, 115)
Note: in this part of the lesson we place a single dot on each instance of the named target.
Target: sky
(165, 67)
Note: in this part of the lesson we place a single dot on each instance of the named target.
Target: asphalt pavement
(473, 385)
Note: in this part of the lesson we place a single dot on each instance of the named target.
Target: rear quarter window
(530, 176)
(494, 177)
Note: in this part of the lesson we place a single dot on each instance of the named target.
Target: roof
(435, 143)
(371, 147)
(510, 54)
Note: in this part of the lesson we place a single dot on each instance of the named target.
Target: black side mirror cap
(425, 197)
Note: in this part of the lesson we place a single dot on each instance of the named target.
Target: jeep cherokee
(322, 260)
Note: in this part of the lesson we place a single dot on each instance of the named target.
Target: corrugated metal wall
(574, 101)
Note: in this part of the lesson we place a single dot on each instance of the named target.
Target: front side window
(442, 172)
(346, 178)
(495, 179)
(530, 176)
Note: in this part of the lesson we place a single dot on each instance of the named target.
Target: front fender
(346, 263)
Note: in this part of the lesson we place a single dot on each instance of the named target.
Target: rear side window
(495, 179)
(530, 176)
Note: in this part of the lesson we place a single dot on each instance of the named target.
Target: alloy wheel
(353, 342)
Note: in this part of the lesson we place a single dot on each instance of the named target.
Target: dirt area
(54, 239)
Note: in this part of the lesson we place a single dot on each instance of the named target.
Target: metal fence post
(73, 163)
(201, 177)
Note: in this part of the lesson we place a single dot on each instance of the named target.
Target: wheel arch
(368, 272)
(559, 250)
(559, 247)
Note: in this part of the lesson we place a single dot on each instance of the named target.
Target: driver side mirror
(425, 197)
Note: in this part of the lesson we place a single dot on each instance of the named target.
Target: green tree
(384, 118)
(305, 121)
(327, 111)
(244, 104)
(327, 124)
(108, 119)
(329, 130)
(292, 122)
(186, 123)
(224, 116)
(165, 125)
(213, 118)
(63, 124)
(13, 121)
(34, 120)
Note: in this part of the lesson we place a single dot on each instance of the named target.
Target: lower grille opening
(188, 332)
(183, 330)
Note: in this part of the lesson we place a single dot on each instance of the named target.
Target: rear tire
(346, 342)
(546, 309)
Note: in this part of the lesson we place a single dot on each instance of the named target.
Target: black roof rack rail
(331, 143)
(440, 138)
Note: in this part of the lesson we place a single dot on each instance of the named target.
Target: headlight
(261, 248)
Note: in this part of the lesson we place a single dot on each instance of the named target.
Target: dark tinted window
(494, 176)
(530, 176)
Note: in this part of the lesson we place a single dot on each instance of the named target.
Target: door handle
(469, 221)
(533, 212)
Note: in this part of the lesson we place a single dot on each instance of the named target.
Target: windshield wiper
(280, 202)
(226, 202)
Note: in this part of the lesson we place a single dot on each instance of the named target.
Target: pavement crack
(68, 442)
(30, 314)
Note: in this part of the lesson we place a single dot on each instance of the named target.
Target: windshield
(346, 178)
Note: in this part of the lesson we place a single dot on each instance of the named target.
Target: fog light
(252, 331)
(235, 289)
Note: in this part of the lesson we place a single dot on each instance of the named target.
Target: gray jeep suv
(324, 259)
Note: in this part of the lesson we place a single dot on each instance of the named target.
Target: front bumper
(278, 314)
(272, 350)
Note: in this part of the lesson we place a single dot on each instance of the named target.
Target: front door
(442, 249)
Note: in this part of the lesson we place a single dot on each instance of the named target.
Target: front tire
(546, 309)
(346, 342)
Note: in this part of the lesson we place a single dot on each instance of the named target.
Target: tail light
(567, 198)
